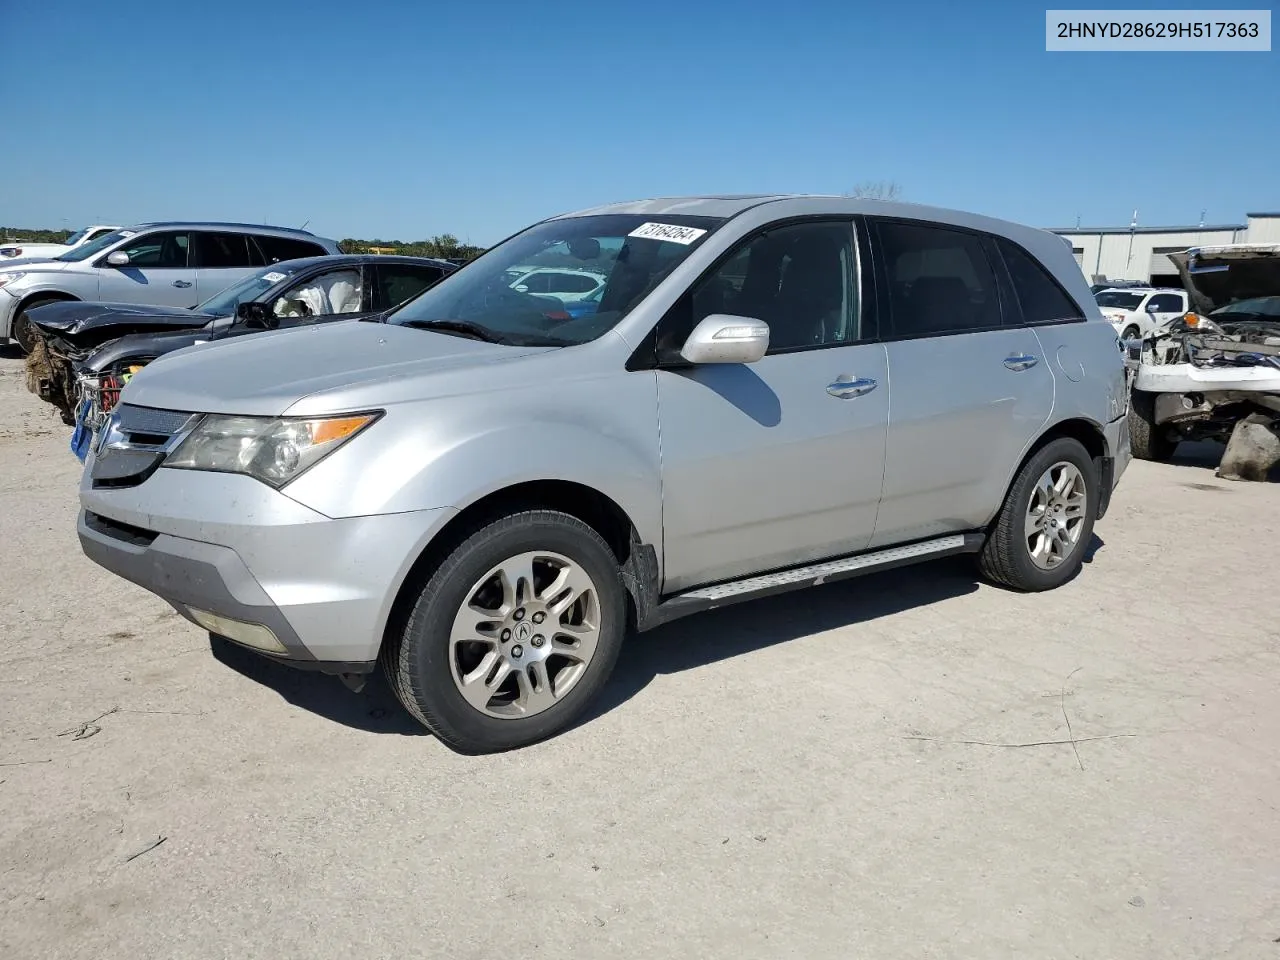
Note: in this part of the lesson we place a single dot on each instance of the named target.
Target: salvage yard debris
(1215, 372)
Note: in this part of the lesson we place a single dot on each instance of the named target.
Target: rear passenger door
(970, 390)
(221, 259)
(397, 283)
(158, 271)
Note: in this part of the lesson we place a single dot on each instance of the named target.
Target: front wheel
(514, 634)
(21, 331)
(1130, 332)
(1040, 536)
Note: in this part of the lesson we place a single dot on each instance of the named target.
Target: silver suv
(162, 264)
(486, 493)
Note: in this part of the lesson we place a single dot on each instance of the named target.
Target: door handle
(846, 388)
(182, 283)
(1021, 361)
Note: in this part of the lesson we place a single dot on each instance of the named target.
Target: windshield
(75, 238)
(1119, 300)
(94, 247)
(520, 290)
(1256, 308)
(224, 303)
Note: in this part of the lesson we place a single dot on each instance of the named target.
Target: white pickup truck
(22, 250)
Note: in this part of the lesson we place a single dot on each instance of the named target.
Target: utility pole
(1133, 227)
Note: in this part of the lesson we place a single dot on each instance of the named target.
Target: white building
(1141, 253)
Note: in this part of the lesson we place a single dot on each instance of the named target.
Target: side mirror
(721, 338)
(118, 258)
(522, 288)
(1151, 308)
(251, 313)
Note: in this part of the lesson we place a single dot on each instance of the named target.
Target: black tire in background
(20, 331)
(1146, 439)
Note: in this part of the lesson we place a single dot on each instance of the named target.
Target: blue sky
(405, 119)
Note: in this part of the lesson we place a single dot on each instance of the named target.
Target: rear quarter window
(277, 249)
(1040, 296)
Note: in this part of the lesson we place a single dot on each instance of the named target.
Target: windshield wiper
(463, 327)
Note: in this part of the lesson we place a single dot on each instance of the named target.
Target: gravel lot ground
(878, 768)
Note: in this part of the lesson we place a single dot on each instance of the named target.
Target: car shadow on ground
(374, 709)
(698, 641)
(1199, 453)
(10, 351)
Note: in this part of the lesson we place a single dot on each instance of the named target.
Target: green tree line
(34, 236)
(445, 245)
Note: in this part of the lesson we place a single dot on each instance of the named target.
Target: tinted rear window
(276, 249)
(940, 280)
(1042, 300)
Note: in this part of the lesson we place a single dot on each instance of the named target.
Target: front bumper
(231, 546)
(8, 307)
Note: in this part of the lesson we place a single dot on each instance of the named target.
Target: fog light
(250, 634)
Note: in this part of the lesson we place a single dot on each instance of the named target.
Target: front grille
(134, 442)
(151, 422)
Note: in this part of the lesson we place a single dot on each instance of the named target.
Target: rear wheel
(1040, 536)
(513, 635)
(1146, 438)
(21, 331)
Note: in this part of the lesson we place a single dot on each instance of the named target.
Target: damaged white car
(1214, 373)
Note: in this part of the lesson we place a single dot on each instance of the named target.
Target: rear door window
(1041, 298)
(939, 280)
(223, 250)
(399, 282)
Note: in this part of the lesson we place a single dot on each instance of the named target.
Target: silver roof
(785, 205)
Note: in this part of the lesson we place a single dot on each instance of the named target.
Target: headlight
(10, 277)
(271, 449)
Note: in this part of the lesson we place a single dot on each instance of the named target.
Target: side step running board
(764, 585)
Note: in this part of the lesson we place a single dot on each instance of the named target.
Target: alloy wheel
(525, 635)
(1056, 515)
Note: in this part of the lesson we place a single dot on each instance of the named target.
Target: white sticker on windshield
(667, 231)
(274, 277)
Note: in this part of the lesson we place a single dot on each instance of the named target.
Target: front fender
(453, 452)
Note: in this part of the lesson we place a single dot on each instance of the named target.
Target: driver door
(158, 272)
(778, 462)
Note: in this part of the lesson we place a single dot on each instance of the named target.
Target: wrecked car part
(1216, 368)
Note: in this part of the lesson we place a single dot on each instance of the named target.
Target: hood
(38, 264)
(1217, 276)
(73, 317)
(346, 362)
(142, 347)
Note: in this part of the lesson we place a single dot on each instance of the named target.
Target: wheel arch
(1090, 436)
(596, 509)
(30, 298)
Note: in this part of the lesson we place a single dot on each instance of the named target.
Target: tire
(1006, 557)
(20, 331)
(1147, 440)
(1131, 332)
(427, 665)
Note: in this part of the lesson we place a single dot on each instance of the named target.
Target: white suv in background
(1140, 311)
(30, 250)
(176, 264)
(563, 283)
